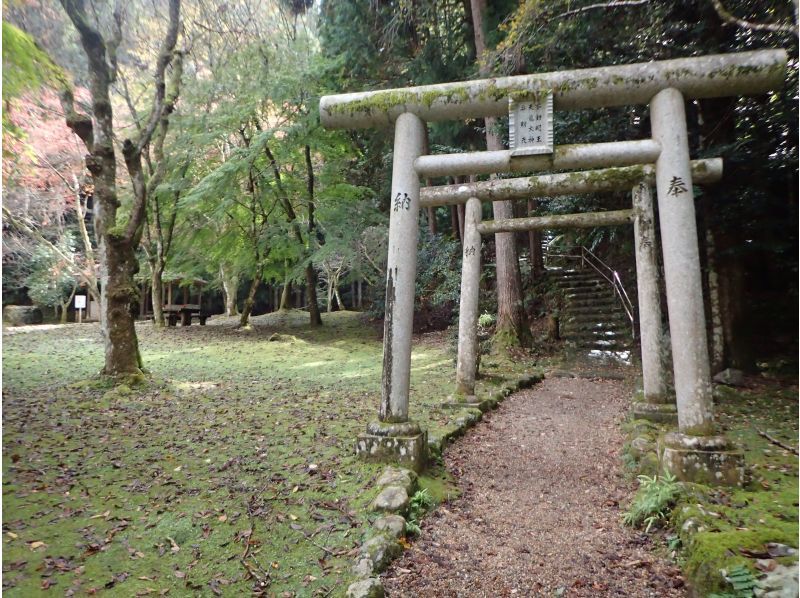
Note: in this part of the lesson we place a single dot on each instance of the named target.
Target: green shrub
(486, 320)
(653, 501)
(417, 507)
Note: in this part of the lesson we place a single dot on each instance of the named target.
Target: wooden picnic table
(184, 312)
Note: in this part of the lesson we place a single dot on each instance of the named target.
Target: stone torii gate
(695, 451)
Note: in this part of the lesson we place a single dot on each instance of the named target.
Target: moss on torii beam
(589, 181)
(744, 73)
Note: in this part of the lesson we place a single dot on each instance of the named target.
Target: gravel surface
(540, 512)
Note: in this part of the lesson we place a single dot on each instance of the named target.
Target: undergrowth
(653, 501)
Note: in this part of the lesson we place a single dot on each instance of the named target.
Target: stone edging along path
(381, 544)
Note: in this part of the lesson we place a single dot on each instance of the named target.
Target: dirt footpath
(540, 513)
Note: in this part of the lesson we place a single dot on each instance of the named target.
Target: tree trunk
(330, 294)
(535, 246)
(511, 329)
(311, 295)
(117, 244)
(339, 301)
(230, 288)
(118, 266)
(454, 223)
(432, 221)
(286, 296)
(157, 292)
(247, 308)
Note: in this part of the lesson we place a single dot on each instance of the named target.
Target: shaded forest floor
(231, 471)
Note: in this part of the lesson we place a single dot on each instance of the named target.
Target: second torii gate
(696, 452)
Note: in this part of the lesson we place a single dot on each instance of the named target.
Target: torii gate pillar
(393, 438)
(652, 403)
(695, 453)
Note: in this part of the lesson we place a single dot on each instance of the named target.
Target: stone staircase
(593, 318)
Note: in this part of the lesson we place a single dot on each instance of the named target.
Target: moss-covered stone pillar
(393, 438)
(695, 453)
(652, 403)
(467, 363)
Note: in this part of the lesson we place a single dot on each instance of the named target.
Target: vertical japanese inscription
(401, 202)
(531, 125)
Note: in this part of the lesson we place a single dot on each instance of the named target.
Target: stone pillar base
(710, 460)
(467, 402)
(401, 443)
(662, 413)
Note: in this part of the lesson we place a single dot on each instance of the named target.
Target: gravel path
(540, 512)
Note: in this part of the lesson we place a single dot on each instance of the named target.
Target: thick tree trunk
(118, 266)
(511, 329)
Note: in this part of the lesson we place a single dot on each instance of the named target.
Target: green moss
(708, 552)
(227, 426)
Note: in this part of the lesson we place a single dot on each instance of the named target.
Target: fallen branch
(775, 441)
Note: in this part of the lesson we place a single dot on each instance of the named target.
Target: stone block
(398, 476)
(392, 499)
(404, 444)
(730, 377)
(663, 413)
(467, 402)
(22, 315)
(710, 460)
(392, 525)
(381, 550)
(366, 588)
(362, 568)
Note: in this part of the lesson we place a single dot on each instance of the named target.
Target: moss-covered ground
(230, 472)
(737, 524)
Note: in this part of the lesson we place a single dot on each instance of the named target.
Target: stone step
(609, 345)
(598, 335)
(590, 318)
(579, 282)
(601, 310)
(587, 325)
(608, 314)
(587, 288)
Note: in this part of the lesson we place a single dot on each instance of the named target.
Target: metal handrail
(609, 274)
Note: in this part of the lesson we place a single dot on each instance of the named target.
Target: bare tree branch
(600, 5)
(734, 20)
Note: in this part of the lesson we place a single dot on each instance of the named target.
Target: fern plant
(417, 507)
(653, 501)
(743, 582)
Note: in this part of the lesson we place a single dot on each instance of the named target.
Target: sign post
(530, 125)
(80, 305)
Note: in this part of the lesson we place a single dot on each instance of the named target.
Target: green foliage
(25, 65)
(419, 504)
(486, 320)
(742, 581)
(49, 282)
(439, 270)
(653, 500)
